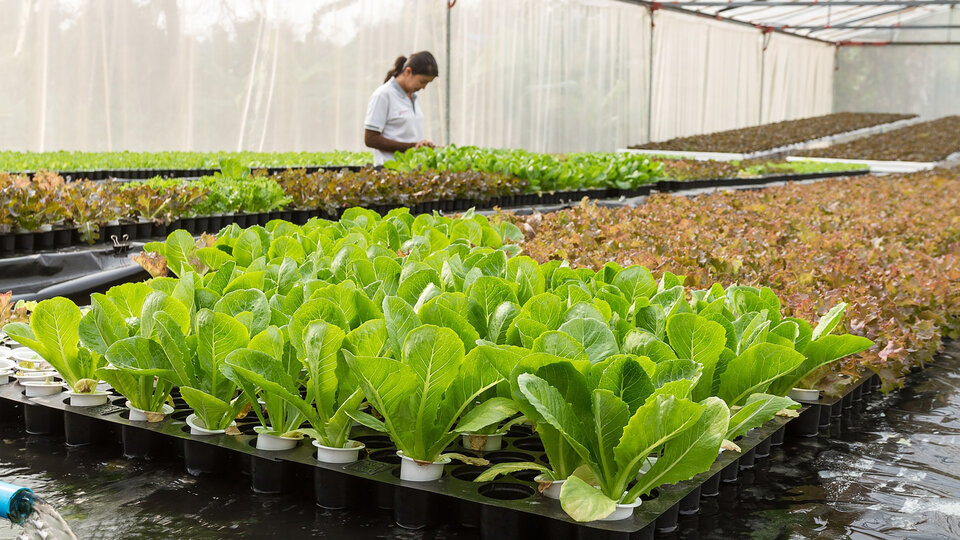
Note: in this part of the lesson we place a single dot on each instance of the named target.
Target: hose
(16, 503)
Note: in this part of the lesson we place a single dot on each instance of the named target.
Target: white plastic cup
(88, 399)
(803, 394)
(553, 490)
(623, 511)
(197, 427)
(331, 454)
(140, 415)
(273, 443)
(419, 471)
(39, 388)
(491, 443)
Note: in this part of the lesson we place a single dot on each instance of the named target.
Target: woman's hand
(426, 143)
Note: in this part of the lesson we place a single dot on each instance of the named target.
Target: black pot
(202, 225)
(63, 237)
(177, 224)
(41, 420)
(215, 224)
(667, 522)
(266, 475)
(331, 489)
(159, 230)
(777, 438)
(262, 219)
(763, 449)
(189, 224)
(8, 243)
(808, 424)
(690, 503)
(45, 240)
(24, 242)
(730, 472)
(128, 229)
(748, 458)
(137, 442)
(79, 429)
(240, 219)
(711, 488)
(202, 458)
(108, 231)
(144, 230)
(411, 508)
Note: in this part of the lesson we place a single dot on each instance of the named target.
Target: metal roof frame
(838, 22)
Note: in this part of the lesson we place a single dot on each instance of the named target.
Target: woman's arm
(375, 139)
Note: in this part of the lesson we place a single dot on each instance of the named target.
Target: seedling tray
(508, 507)
(672, 186)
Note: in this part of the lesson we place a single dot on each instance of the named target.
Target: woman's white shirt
(395, 116)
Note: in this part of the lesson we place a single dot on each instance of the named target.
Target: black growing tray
(505, 508)
(672, 186)
(145, 174)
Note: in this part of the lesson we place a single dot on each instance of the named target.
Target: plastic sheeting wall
(203, 74)
(922, 79)
(706, 75)
(548, 75)
(797, 78)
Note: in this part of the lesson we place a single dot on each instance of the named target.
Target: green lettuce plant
(54, 332)
(422, 396)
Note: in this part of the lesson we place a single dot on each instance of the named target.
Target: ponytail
(398, 66)
(421, 63)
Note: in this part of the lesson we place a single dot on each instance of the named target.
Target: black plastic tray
(672, 186)
(505, 508)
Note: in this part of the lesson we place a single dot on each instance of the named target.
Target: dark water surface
(888, 470)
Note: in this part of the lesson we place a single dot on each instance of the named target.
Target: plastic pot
(197, 427)
(420, 471)
(34, 389)
(331, 489)
(42, 420)
(201, 458)
(803, 394)
(482, 443)
(623, 511)
(79, 429)
(330, 454)
(140, 415)
(24, 242)
(551, 491)
(35, 376)
(274, 443)
(8, 243)
(5, 376)
(88, 399)
(266, 475)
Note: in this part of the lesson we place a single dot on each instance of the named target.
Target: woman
(394, 120)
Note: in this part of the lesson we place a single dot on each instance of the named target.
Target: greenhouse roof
(828, 20)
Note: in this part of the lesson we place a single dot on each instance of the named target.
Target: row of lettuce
(45, 200)
(427, 328)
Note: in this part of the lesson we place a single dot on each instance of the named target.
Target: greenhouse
(466, 269)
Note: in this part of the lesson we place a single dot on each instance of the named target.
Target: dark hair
(421, 63)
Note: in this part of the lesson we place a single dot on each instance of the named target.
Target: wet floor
(888, 470)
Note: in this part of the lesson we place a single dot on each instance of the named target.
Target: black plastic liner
(71, 273)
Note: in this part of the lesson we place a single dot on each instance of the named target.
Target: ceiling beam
(893, 26)
(807, 3)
